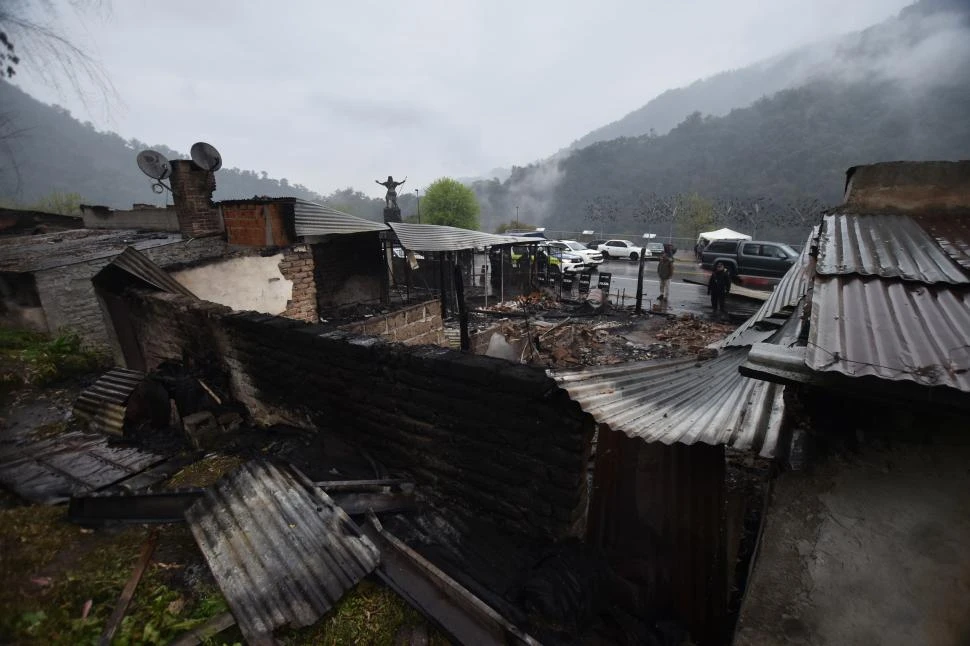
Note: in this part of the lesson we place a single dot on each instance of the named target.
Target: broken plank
(148, 548)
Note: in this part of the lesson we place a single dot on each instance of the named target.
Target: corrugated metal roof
(50, 250)
(281, 551)
(892, 330)
(951, 230)
(434, 237)
(102, 406)
(686, 401)
(52, 470)
(889, 246)
(141, 267)
(779, 306)
(312, 219)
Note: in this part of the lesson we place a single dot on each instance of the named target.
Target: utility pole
(516, 214)
(418, 198)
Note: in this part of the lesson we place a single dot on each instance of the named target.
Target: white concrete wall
(249, 283)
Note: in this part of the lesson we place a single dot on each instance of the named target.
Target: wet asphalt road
(684, 297)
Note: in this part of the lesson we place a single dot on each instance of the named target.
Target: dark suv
(750, 257)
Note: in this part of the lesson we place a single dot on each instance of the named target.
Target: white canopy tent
(722, 234)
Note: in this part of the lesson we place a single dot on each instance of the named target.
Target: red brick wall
(246, 224)
(192, 190)
(298, 267)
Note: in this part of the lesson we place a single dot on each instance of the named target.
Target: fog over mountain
(786, 128)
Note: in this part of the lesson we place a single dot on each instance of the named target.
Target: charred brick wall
(350, 270)
(257, 223)
(490, 438)
(192, 189)
(415, 325)
(297, 266)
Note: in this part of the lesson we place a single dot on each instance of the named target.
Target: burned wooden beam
(462, 615)
(114, 621)
(354, 497)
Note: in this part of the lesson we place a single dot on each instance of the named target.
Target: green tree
(450, 203)
(60, 203)
(695, 214)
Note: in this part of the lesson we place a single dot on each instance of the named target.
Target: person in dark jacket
(665, 269)
(718, 287)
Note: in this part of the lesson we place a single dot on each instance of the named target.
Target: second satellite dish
(154, 164)
(206, 156)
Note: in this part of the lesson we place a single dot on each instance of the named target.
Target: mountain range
(779, 133)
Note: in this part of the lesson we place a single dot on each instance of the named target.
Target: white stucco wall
(250, 283)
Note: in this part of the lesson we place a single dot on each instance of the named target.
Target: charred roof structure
(879, 372)
(889, 298)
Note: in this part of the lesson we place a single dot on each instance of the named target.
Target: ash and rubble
(562, 334)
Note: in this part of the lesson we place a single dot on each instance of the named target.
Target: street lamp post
(418, 198)
(516, 213)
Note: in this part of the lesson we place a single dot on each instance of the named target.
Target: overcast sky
(332, 94)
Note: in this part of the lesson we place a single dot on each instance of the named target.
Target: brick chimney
(192, 189)
(909, 186)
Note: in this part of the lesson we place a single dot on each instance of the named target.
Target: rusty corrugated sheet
(52, 470)
(281, 551)
(102, 406)
(434, 237)
(888, 246)
(685, 401)
(312, 219)
(891, 329)
(951, 231)
(141, 267)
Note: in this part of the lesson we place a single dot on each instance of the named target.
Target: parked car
(749, 257)
(558, 259)
(656, 250)
(621, 249)
(594, 244)
(591, 258)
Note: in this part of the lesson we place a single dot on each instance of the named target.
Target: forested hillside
(872, 52)
(902, 91)
(45, 151)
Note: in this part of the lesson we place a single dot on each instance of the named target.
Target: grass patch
(205, 472)
(369, 614)
(33, 359)
(50, 568)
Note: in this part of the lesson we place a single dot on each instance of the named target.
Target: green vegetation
(33, 359)
(56, 202)
(50, 569)
(450, 203)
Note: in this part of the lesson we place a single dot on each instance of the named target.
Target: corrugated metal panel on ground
(313, 219)
(892, 330)
(52, 470)
(434, 237)
(281, 551)
(102, 406)
(889, 246)
(685, 401)
(141, 267)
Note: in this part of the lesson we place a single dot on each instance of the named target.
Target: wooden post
(462, 311)
(442, 256)
(639, 308)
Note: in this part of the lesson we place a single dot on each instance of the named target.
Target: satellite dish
(206, 156)
(154, 164)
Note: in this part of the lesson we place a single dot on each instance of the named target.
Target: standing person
(665, 269)
(718, 287)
